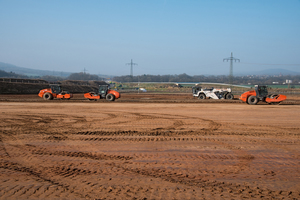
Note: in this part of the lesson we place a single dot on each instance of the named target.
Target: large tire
(252, 100)
(48, 96)
(110, 97)
(201, 96)
(229, 96)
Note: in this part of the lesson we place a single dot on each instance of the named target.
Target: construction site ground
(148, 146)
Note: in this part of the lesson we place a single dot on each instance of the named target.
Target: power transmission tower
(131, 68)
(231, 58)
(84, 70)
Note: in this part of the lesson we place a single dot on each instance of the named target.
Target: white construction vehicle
(212, 93)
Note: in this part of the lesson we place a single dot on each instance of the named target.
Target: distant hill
(5, 74)
(36, 72)
(277, 72)
(269, 72)
(30, 72)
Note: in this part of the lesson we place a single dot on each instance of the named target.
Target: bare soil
(148, 146)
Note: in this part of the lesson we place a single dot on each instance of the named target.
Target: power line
(131, 67)
(231, 59)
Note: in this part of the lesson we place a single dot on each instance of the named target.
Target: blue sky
(161, 36)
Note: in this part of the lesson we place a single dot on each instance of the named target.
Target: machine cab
(261, 91)
(55, 89)
(103, 90)
(196, 89)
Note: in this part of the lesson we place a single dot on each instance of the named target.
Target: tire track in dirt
(64, 172)
(163, 136)
(138, 117)
(246, 159)
(259, 129)
(155, 136)
(242, 191)
(133, 133)
(94, 156)
(196, 159)
(63, 153)
(110, 116)
(207, 185)
(44, 123)
(35, 173)
(247, 162)
(3, 152)
(88, 155)
(123, 118)
(283, 146)
(178, 120)
(243, 159)
(214, 156)
(212, 125)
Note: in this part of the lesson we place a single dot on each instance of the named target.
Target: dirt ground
(147, 146)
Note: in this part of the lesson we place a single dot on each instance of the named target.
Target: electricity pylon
(84, 70)
(231, 58)
(131, 68)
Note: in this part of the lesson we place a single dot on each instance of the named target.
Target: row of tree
(214, 79)
(167, 78)
(75, 76)
(11, 75)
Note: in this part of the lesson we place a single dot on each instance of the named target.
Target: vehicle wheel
(201, 96)
(252, 100)
(229, 96)
(110, 97)
(47, 96)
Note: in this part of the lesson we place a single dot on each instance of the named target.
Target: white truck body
(212, 93)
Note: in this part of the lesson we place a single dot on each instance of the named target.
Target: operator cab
(196, 89)
(55, 89)
(261, 91)
(103, 90)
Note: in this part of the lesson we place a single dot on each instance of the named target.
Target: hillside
(271, 72)
(36, 72)
(11, 75)
(30, 72)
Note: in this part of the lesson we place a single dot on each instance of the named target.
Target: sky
(160, 36)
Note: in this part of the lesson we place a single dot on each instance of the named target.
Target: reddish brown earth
(148, 146)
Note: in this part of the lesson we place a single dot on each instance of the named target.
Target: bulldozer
(103, 93)
(54, 91)
(260, 93)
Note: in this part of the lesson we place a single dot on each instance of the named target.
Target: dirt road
(87, 150)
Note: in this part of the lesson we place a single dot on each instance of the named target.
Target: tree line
(74, 76)
(5, 74)
(254, 79)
